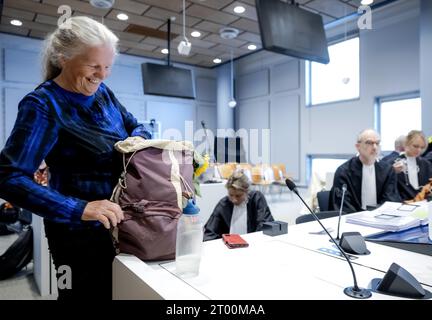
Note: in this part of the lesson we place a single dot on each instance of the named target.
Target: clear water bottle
(189, 241)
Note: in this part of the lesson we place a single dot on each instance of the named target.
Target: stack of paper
(391, 216)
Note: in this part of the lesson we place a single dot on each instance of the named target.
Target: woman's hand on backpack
(104, 211)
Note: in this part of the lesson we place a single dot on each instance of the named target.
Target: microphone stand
(354, 291)
(344, 188)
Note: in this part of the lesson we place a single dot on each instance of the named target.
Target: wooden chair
(279, 172)
(226, 169)
(244, 166)
(282, 171)
(261, 177)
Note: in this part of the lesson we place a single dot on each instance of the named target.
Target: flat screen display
(287, 29)
(164, 80)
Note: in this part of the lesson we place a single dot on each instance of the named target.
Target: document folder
(392, 216)
(413, 239)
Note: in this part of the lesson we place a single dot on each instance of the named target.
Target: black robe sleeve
(258, 211)
(428, 156)
(386, 184)
(220, 220)
(406, 190)
(390, 158)
(347, 174)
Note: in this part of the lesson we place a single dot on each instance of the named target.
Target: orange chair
(277, 172)
(282, 170)
(280, 175)
(226, 169)
(262, 177)
(244, 166)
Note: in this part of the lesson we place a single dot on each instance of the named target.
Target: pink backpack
(156, 180)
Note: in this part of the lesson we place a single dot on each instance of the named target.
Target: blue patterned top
(75, 134)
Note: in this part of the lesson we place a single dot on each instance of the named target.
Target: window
(324, 167)
(339, 79)
(398, 116)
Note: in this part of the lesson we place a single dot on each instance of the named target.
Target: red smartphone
(234, 241)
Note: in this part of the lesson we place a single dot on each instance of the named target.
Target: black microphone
(344, 189)
(354, 291)
(351, 242)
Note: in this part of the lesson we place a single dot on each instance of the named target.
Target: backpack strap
(176, 177)
(121, 185)
(115, 240)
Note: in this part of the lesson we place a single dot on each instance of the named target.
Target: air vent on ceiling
(228, 33)
(102, 4)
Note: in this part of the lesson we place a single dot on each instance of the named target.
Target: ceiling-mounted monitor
(287, 29)
(164, 80)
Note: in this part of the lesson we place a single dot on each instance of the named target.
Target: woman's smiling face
(84, 72)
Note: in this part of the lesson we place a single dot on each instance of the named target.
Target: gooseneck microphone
(344, 189)
(354, 291)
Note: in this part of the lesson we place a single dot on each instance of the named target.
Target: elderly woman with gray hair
(242, 211)
(72, 120)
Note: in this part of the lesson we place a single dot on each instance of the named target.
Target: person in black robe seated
(369, 182)
(428, 157)
(414, 171)
(242, 211)
(399, 148)
(427, 154)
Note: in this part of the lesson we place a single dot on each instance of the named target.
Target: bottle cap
(191, 207)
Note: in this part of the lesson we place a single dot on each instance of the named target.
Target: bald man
(369, 183)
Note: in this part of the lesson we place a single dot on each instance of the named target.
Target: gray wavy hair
(71, 38)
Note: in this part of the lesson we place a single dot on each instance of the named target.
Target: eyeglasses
(370, 143)
(416, 146)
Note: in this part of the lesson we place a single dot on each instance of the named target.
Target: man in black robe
(399, 145)
(351, 174)
(254, 206)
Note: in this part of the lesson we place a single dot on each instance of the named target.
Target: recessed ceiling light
(217, 60)
(366, 2)
(252, 47)
(164, 51)
(122, 16)
(239, 9)
(196, 34)
(16, 22)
